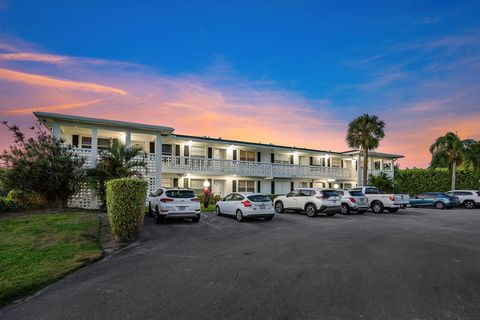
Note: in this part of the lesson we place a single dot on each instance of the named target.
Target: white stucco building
(227, 165)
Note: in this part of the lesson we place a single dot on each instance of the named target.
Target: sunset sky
(285, 72)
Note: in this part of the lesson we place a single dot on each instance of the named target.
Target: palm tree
(118, 161)
(472, 155)
(365, 132)
(448, 151)
(383, 182)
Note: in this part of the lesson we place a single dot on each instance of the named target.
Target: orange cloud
(54, 108)
(40, 57)
(44, 81)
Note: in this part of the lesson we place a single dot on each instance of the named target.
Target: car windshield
(259, 198)
(371, 191)
(329, 193)
(180, 194)
(356, 193)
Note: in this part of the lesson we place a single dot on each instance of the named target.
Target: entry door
(218, 187)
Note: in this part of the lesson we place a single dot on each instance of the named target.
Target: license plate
(262, 206)
(334, 201)
(181, 208)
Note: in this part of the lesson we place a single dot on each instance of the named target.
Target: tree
(449, 152)
(118, 161)
(472, 155)
(382, 182)
(365, 132)
(41, 164)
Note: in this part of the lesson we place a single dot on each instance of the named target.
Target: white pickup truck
(379, 202)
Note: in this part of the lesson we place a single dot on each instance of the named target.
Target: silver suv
(468, 198)
(353, 200)
(174, 203)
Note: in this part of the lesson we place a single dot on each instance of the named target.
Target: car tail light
(391, 198)
(246, 203)
(195, 200)
(353, 200)
(165, 200)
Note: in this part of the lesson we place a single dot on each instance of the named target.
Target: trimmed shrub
(125, 206)
(8, 205)
(415, 181)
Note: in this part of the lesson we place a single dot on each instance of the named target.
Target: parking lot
(416, 264)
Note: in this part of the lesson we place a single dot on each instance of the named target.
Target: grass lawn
(36, 250)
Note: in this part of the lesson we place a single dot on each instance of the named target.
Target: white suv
(174, 203)
(312, 200)
(353, 201)
(468, 198)
(244, 205)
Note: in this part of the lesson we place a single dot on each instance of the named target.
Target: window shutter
(210, 181)
(186, 151)
(152, 147)
(272, 186)
(185, 182)
(272, 157)
(311, 184)
(292, 186)
(259, 157)
(291, 159)
(311, 161)
(75, 140)
(258, 186)
(175, 182)
(234, 154)
(210, 152)
(234, 185)
(177, 150)
(329, 162)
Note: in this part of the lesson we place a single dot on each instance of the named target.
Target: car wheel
(239, 216)
(268, 218)
(344, 209)
(217, 211)
(196, 219)
(158, 217)
(377, 207)
(439, 205)
(279, 207)
(311, 210)
(469, 204)
(393, 210)
(150, 211)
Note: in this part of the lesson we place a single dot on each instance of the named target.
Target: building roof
(47, 118)
(375, 154)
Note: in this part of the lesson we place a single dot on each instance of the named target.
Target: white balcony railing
(177, 164)
(249, 168)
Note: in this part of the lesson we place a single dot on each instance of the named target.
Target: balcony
(184, 165)
(175, 164)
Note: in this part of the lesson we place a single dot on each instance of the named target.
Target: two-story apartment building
(221, 165)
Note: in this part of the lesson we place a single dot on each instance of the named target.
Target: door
(226, 204)
(218, 187)
(291, 199)
(302, 198)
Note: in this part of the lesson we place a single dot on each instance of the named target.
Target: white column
(93, 164)
(158, 161)
(393, 168)
(128, 139)
(381, 164)
(56, 130)
(359, 171)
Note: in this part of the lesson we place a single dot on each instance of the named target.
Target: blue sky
(414, 63)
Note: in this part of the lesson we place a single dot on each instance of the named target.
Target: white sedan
(244, 205)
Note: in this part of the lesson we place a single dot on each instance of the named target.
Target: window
(167, 149)
(317, 161)
(86, 142)
(259, 198)
(238, 197)
(198, 152)
(371, 191)
(304, 193)
(103, 143)
(281, 158)
(246, 186)
(219, 153)
(292, 194)
(303, 184)
(167, 182)
(158, 193)
(247, 155)
(229, 197)
(329, 193)
(356, 193)
(387, 166)
(138, 145)
(180, 194)
(377, 165)
(336, 163)
(462, 193)
(196, 185)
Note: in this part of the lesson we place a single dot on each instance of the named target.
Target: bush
(9, 205)
(27, 199)
(415, 181)
(125, 206)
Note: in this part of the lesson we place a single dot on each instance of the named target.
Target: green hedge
(415, 181)
(125, 206)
